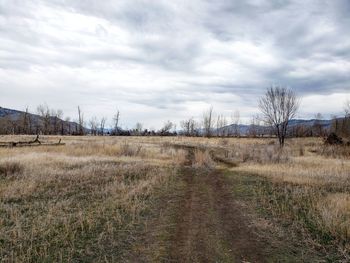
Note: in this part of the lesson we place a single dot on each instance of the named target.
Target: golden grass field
(91, 199)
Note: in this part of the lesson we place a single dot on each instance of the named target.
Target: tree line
(278, 106)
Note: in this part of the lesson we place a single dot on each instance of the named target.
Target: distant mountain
(18, 122)
(307, 125)
(5, 112)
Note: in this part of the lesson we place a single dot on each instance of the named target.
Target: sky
(171, 60)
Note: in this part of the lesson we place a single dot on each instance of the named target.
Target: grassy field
(174, 199)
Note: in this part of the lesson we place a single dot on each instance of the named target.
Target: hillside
(15, 121)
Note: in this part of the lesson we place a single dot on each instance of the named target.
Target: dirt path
(205, 215)
(210, 226)
(199, 220)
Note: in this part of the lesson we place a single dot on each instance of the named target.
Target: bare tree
(278, 106)
(317, 126)
(165, 130)
(44, 112)
(102, 125)
(346, 120)
(347, 108)
(56, 116)
(235, 120)
(26, 121)
(93, 123)
(208, 122)
(80, 122)
(138, 128)
(189, 127)
(221, 124)
(116, 122)
(67, 120)
(253, 129)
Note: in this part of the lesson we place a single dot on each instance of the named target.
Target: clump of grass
(9, 168)
(131, 150)
(224, 142)
(335, 214)
(264, 154)
(334, 151)
(202, 158)
(179, 156)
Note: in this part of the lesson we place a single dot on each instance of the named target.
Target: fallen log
(35, 142)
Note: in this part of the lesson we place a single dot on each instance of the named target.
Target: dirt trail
(210, 226)
(200, 221)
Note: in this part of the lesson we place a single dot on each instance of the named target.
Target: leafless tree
(166, 129)
(278, 106)
(93, 123)
(317, 126)
(26, 122)
(44, 112)
(138, 128)
(116, 122)
(235, 120)
(80, 122)
(102, 125)
(189, 127)
(67, 120)
(221, 124)
(347, 108)
(56, 116)
(208, 122)
(253, 129)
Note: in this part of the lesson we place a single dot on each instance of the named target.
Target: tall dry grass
(82, 201)
(79, 202)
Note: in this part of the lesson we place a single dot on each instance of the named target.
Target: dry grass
(335, 214)
(202, 159)
(82, 201)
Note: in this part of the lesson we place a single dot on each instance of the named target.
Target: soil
(210, 226)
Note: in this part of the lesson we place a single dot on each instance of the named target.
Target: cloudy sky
(169, 60)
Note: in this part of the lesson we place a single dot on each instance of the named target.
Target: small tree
(116, 122)
(347, 108)
(138, 128)
(189, 127)
(102, 125)
(208, 122)
(235, 120)
(26, 121)
(166, 129)
(346, 121)
(44, 112)
(93, 125)
(278, 106)
(80, 121)
(317, 126)
(221, 126)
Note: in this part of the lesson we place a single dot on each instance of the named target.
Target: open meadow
(174, 199)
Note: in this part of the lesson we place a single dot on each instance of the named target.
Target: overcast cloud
(169, 60)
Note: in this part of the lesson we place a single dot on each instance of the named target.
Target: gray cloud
(162, 59)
